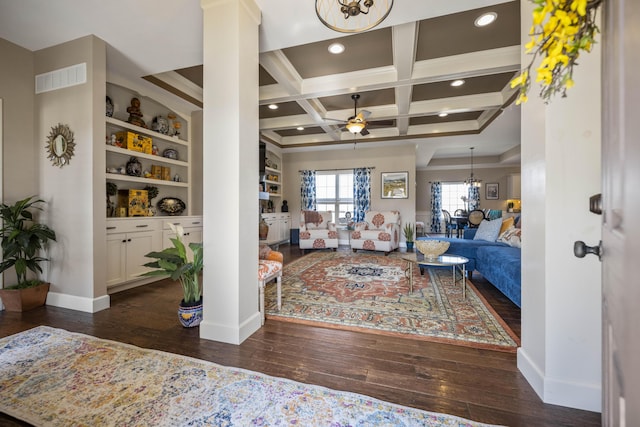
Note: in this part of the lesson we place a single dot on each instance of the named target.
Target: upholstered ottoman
(267, 271)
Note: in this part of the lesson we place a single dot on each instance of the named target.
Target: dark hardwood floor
(478, 384)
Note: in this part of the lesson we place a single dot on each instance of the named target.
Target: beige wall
(499, 175)
(76, 270)
(21, 148)
(391, 159)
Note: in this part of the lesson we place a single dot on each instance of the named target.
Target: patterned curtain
(436, 206)
(308, 190)
(474, 197)
(361, 193)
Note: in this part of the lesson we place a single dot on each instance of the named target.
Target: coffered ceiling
(402, 70)
(403, 74)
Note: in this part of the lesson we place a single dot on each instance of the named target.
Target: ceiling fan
(358, 124)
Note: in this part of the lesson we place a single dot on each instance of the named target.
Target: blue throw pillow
(488, 230)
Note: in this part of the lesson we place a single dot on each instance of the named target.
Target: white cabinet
(192, 227)
(127, 244)
(513, 186)
(279, 226)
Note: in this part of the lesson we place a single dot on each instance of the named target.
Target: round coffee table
(453, 261)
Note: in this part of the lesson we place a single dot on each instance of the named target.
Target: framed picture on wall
(492, 191)
(395, 185)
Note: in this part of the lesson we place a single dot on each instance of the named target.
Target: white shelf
(147, 132)
(128, 178)
(152, 157)
(272, 182)
(268, 169)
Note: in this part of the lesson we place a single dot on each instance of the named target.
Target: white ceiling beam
(282, 71)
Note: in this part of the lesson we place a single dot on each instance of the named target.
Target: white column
(230, 158)
(561, 301)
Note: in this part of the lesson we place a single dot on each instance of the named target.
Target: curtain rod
(337, 169)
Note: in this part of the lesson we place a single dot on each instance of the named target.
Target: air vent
(64, 77)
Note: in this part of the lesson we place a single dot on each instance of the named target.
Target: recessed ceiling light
(273, 107)
(336, 48)
(443, 114)
(485, 19)
(300, 128)
(457, 83)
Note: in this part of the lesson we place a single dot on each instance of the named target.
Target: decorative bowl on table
(432, 248)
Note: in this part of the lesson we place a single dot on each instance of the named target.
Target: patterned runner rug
(51, 377)
(370, 292)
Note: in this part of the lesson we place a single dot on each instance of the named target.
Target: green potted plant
(174, 263)
(409, 231)
(22, 240)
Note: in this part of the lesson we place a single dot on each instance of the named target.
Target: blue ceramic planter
(190, 316)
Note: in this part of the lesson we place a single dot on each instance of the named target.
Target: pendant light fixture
(471, 181)
(352, 16)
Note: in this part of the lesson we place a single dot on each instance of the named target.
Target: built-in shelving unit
(178, 185)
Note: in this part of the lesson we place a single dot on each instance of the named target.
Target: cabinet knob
(128, 240)
(124, 241)
(142, 226)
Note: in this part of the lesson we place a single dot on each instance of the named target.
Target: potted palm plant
(408, 231)
(22, 240)
(176, 264)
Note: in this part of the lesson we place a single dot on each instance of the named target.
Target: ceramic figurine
(135, 115)
(109, 107)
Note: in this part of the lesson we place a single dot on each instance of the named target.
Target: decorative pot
(263, 229)
(24, 299)
(190, 315)
(134, 167)
(409, 246)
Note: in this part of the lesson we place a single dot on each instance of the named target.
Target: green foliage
(174, 263)
(152, 191)
(23, 239)
(408, 231)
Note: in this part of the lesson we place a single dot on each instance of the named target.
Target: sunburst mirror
(60, 145)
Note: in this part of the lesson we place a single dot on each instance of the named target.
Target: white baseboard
(73, 302)
(587, 397)
(230, 335)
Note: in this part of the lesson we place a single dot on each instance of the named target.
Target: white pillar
(230, 159)
(561, 294)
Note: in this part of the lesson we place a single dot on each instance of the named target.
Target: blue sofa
(498, 262)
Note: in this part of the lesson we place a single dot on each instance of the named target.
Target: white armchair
(317, 231)
(380, 231)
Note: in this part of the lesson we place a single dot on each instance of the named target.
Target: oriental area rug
(370, 292)
(51, 377)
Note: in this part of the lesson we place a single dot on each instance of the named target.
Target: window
(334, 192)
(451, 196)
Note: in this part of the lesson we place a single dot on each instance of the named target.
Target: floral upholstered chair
(380, 231)
(317, 231)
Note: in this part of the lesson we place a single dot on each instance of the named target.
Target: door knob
(580, 249)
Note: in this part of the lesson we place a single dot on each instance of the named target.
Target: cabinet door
(116, 258)
(274, 229)
(138, 245)
(284, 228)
(192, 235)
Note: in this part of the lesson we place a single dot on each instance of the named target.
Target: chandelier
(352, 16)
(471, 181)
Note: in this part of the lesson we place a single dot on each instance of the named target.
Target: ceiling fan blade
(381, 123)
(364, 132)
(334, 120)
(365, 114)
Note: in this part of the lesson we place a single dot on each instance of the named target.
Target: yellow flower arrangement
(561, 30)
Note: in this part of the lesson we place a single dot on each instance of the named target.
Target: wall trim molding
(73, 302)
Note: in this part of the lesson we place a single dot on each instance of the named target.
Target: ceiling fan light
(485, 19)
(355, 127)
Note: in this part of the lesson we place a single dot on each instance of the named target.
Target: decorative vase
(263, 229)
(190, 315)
(134, 167)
